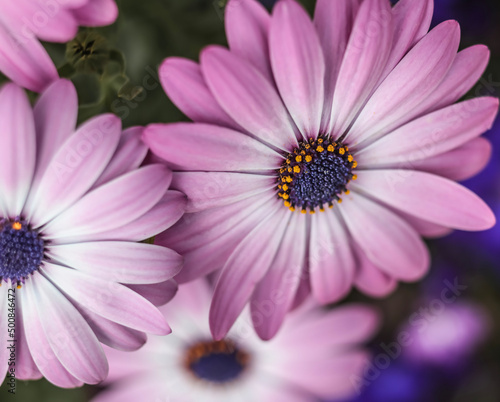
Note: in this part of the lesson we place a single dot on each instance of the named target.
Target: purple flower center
(217, 362)
(21, 251)
(315, 174)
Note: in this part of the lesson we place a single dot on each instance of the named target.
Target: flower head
(316, 354)
(73, 205)
(22, 23)
(321, 151)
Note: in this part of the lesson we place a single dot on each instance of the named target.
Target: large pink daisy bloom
(297, 116)
(73, 205)
(315, 355)
(23, 22)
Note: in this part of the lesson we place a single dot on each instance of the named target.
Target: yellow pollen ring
(296, 169)
(331, 148)
(298, 158)
(17, 226)
(320, 148)
(309, 158)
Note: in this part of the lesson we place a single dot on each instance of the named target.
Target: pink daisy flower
(73, 204)
(299, 115)
(315, 355)
(22, 23)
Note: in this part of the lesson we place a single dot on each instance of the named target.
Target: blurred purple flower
(448, 338)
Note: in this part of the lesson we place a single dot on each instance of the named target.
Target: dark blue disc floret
(315, 174)
(218, 362)
(21, 251)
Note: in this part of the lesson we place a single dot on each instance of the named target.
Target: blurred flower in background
(316, 354)
(449, 336)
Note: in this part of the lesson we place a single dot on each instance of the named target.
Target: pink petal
(476, 152)
(371, 280)
(214, 189)
(129, 155)
(157, 293)
(412, 20)
(112, 205)
(191, 298)
(185, 85)
(331, 261)
(422, 226)
(196, 146)
(120, 261)
(428, 197)
(55, 119)
(467, 68)
(275, 293)
(96, 13)
(248, 97)
(430, 135)
(328, 377)
(26, 368)
(197, 235)
(334, 21)
(24, 60)
(108, 299)
(60, 26)
(133, 390)
(39, 345)
(247, 29)
(411, 81)
(304, 288)
(364, 60)
(55, 115)
(159, 218)
(18, 145)
(75, 167)
(68, 334)
(357, 322)
(298, 65)
(248, 264)
(201, 261)
(388, 241)
(112, 334)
